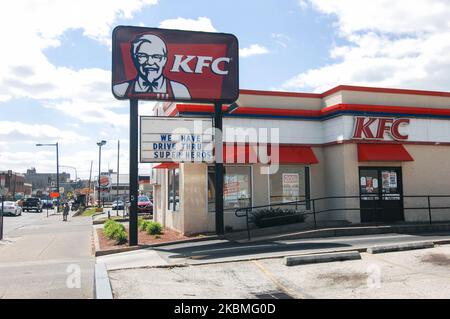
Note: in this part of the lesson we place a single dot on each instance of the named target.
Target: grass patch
(89, 212)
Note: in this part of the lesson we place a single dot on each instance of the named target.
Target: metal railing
(310, 206)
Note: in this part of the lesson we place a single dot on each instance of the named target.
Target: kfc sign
(173, 65)
(375, 128)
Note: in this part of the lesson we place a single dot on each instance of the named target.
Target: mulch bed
(168, 235)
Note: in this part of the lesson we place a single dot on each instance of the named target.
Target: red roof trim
(345, 88)
(281, 94)
(384, 90)
(204, 108)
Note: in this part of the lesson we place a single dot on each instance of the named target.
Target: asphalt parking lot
(411, 274)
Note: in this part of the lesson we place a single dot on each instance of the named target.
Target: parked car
(145, 205)
(47, 203)
(11, 208)
(118, 204)
(32, 204)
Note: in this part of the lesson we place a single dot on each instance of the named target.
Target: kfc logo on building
(375, 128)
(173, 65)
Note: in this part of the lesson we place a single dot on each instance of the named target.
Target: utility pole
(57, 177)
(100, 144)
(89, 186)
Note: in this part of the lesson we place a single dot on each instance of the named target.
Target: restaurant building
(378, 145)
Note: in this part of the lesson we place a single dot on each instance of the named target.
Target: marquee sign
(375, 128)
(174, 65)
(176, 139)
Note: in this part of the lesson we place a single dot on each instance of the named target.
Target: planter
(278, 221)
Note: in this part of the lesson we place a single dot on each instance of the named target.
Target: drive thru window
(237, 191)
(289, 184)
(381, 194)
(173, 189)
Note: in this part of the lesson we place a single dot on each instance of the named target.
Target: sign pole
(1, 219)
(218, 167)
(134, 132)
(117, 186)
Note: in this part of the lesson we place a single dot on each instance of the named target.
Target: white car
(11, 208)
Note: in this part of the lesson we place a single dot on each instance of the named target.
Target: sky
(55, 62)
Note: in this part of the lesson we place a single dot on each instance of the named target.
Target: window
(173, 189)
(289, 184)
(237, 188)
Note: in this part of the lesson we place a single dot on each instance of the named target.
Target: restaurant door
(381, 194)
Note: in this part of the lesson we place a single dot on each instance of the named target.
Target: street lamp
(74, 168)
(100, 144)
(57, 171)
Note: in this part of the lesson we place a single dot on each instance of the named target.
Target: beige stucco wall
(429, 173)
(264, 101)
(193, 198)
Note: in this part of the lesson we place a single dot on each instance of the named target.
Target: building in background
(112, 190)
(12, 184)
(43, 182)
(145, 186)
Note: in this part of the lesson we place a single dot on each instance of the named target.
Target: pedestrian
(65, 211)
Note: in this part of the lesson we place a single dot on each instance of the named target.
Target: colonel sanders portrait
(149, 54)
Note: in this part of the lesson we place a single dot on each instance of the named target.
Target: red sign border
(115, 54)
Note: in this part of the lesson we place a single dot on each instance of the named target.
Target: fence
(420, 204)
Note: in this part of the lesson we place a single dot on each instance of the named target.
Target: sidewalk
(48, 259)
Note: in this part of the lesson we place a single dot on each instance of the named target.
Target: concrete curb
(96, 240)
(321, 258)
(99, 252)
(399, 247)
(102, 289)
(101, 222)
(353, 231)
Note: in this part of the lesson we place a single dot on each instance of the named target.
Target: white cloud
(25, 71)
(281, 39)
(390, 43)
(254, 49)
(27, 28)
(201, 24)
(38, 132)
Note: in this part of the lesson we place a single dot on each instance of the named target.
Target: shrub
(140, 221)
(276, 217)
(154, 228)
(144, 225)
(108, 223)
(228, 229)
(121, 237)
(115, 230)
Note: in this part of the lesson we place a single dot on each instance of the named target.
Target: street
(11, 223)
(44, 257)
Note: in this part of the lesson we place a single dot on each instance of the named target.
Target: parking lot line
(277, 283)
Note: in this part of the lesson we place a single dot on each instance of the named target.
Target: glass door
(381, 194)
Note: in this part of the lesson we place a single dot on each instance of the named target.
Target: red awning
(288, 154)
(383, 153)
(239, 154)
(294, 154)
(166, 165)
